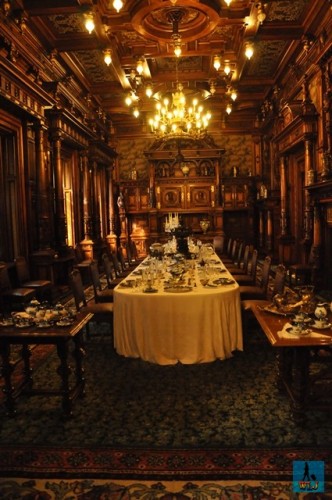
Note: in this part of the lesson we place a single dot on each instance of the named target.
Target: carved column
(308, 168)
(43, 207)
(86, 243)
(60, 218)
(96, 194)
(111, 237)
(285, 240)
(269, 231)
(261, 229)
(327, 121)
(283, 197)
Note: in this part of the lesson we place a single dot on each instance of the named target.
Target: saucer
(322, 326)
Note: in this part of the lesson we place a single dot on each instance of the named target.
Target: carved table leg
(7, 370)
(64, 371)
(26, 355)
(79, 353)
(300, 386)
(284, 367)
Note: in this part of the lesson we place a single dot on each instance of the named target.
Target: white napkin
(283, 334)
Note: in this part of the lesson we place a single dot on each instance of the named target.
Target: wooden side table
(61, 337)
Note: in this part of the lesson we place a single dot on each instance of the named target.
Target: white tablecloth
(166, 328)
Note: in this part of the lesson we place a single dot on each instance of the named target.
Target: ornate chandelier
(175, 118)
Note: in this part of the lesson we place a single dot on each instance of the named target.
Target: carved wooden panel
(199, 197)
(170, 197)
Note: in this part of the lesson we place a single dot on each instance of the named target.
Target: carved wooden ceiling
(145, 29)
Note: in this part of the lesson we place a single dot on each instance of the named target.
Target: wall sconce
(140, 66)
(107, 56)
(118, 4)
(249, 50)
(216, 63)
(89, 22)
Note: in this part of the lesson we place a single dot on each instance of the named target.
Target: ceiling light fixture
(174, 16)
(216, 63)
(108, 56)
(118, 4)
(249, 50)
(176, 119)
(89, 22)
(227, 68)
(140, 66)
(149, 90)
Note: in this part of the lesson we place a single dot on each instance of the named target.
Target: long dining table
(193, 322)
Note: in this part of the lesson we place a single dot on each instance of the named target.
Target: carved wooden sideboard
(184, 178)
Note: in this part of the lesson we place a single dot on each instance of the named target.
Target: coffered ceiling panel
(150, 30)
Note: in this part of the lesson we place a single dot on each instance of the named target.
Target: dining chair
(109, 271)
(43, 288)
(241, 267)
(229, 259)
(277, 288)
(219, 244)
(82, 264)
(260, 288)
(235, 264)
(120, 272)
(125, 259)
(100, 294)
(13, 298)
(102, 311)
(250, 277)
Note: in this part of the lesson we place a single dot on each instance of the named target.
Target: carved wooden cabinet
(136, 196)
(186, 195)
(238, 197)
(237, 192)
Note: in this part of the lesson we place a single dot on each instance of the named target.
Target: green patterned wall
(238, 153)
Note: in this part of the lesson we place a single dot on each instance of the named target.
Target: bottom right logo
(308, 476)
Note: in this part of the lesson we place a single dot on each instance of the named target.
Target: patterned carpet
(222, 420)
(92, 489)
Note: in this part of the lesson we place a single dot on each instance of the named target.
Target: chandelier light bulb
(118, 4)
(228, 109)
(233, 95)
(249, 50)
(216, 62)
(107, 57)
(136, 112)
(89, 23)
(228, 2)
